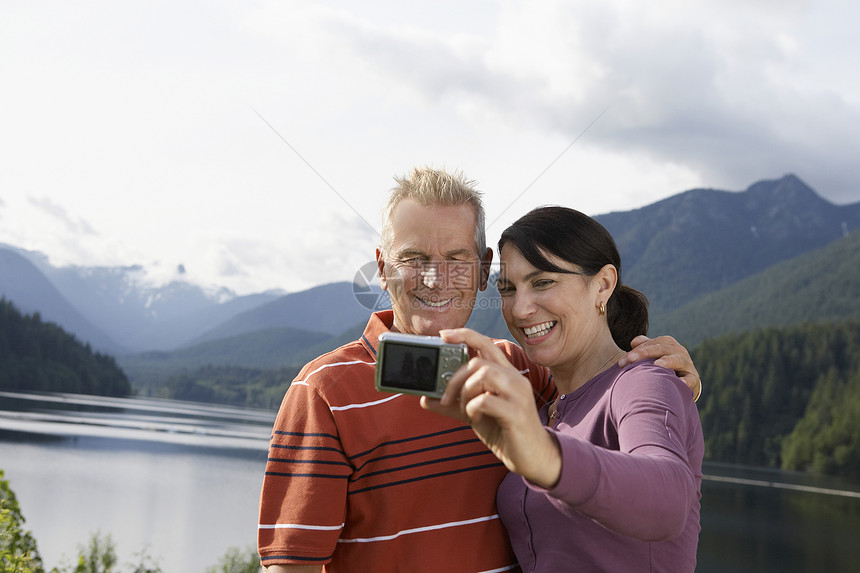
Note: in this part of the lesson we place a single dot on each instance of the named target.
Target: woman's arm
(647, 487)
(645, 490)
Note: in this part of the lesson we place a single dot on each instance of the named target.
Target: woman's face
(553, 316)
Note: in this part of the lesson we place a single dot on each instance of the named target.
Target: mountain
(36, 356)
(703, 240)
(676, 251)
(784, 397)
(330, 308)
(265, 349)
(820, 286)
(139, 316)
(24, 285)
(487, 315)
(175, 330)
(146, 317)
(287, 331)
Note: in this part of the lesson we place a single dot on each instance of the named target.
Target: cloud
(136, 118)
(73, 225)
(719, 89)
(326, 247)
(715, 89)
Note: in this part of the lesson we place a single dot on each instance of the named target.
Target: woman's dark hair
(578, 239)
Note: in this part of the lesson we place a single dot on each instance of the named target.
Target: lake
(182, 480)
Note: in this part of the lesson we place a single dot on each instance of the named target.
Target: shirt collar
(379, 323)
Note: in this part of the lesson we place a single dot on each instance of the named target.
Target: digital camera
(413, 364)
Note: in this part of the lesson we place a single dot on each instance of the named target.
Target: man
(359, 480)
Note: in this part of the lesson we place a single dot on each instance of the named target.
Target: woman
(610, 472)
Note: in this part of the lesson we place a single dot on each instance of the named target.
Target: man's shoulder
(349, 354)
(517, 356)
(538, 375)
(511, 349)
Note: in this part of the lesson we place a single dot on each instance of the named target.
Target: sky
(250, 145)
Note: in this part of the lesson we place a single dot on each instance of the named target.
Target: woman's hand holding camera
(498, 402)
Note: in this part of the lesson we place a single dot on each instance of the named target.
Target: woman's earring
(602, 309)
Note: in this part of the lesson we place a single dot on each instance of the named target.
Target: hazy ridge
(711, 262)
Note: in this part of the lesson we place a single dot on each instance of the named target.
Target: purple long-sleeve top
(628, 496)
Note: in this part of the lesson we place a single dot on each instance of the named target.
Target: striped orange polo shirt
(359, 480)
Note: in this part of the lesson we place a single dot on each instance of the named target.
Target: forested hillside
(40, 356)
(239, 375)
(30, 291)
(267, 349)
(774, 271)
(230, 385)
(703, 240)
(823, 285)
(784, 397)
(252, 386)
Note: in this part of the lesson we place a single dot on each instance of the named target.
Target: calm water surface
(179, 480)
(182, 481)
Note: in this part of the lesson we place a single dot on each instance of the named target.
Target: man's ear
(380, 269)
(486, 261)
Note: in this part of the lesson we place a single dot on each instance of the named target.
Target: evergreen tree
(39, 356)
(784, 397)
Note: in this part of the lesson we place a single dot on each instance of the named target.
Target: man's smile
(434, 303)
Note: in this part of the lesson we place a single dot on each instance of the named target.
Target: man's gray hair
(435, 188)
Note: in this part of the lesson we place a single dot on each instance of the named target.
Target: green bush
(98, 557)
(18, 550)
(236, 560)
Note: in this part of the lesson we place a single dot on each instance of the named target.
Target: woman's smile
(538, 331)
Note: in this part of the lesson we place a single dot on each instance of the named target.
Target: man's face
(432, 271)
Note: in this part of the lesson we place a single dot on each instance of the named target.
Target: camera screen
(410, 367)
